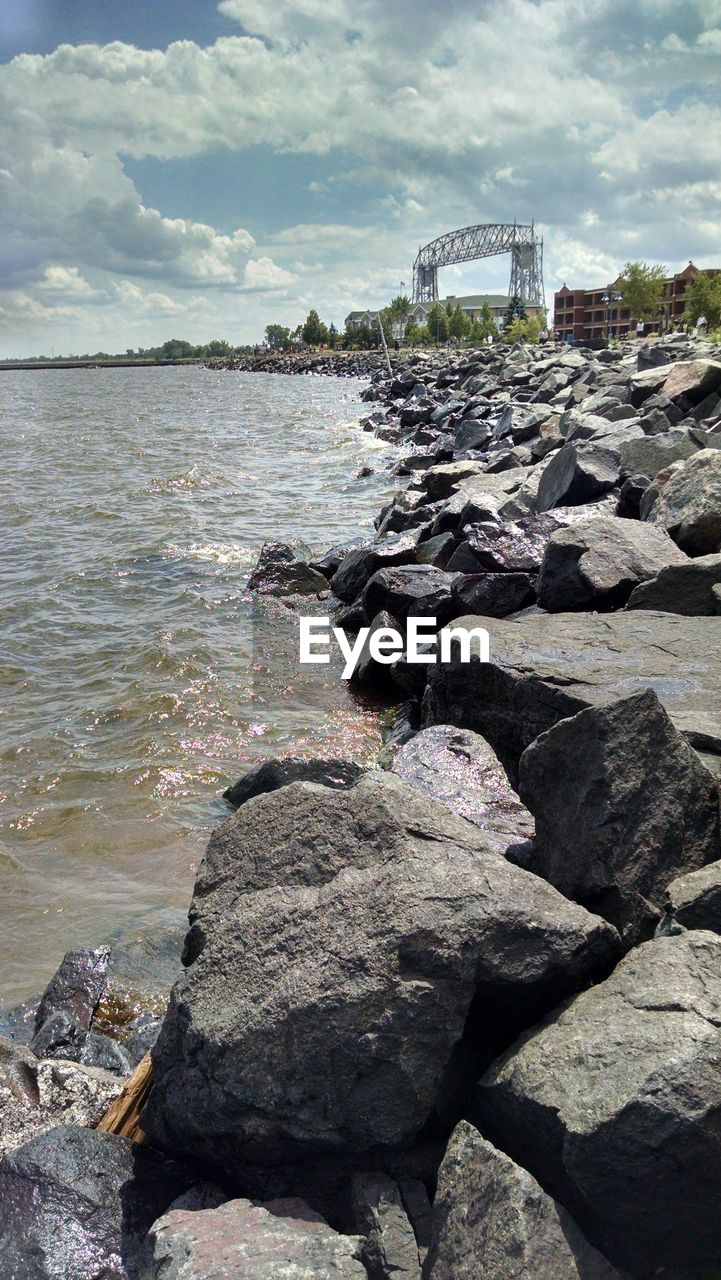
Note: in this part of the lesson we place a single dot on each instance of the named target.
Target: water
(137, 676)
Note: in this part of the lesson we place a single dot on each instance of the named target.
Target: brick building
(596, 313)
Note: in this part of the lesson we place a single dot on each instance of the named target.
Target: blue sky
(202, 169)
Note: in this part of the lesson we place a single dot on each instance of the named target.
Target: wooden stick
(123, 1114)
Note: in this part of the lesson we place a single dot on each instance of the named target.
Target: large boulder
(494, 595)
(492, 1219)
(688, 505)
(614, 1105)
(596, 563)
(577, 473)
(694, 900)
(77, 1205)
(269, 775)
(361, 563)
(283, 569)
(281, 1240)
(347, 949)
(622, 805)
(37, 1094)
(461, 769)
(544, 668)
(692, 379)
(685, 587)
(417, 591)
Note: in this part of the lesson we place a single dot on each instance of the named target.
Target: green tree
(642, 288)
(437, 322)
(218, 347)
(514, 311)
(315, 333)
(703, 298)
(277, 336)
(175, 349)
(485, 325)
(516, 330)
(333, 337)
(396, 315)
(459, 324)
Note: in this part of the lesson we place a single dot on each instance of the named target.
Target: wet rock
(418, 591)
(688, 505)
(491, 1218)
(269, 775)
(577, 473)
(283, 569)
(681, 588)
(38, 1094)
(545, 668)
(436, 551)
(282, 1240)
(360, 565)
(66, 1009)
(330, 561)
(348, 949)
(622, 805)
(493, 595)
(369, 669)
(461, 769)
(694, 900)
(79, 1204)
(390, 1251)
(613, 1105)
(596, 563)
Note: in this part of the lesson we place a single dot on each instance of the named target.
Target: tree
(642, 288)
(459, 324)
(485, 326)
(437, 322)
(315, 332)
(218, 347)
(396, 315)
(703, 298)
(514, 311)
(175, 349)
(516, 330)
(333, 337)
(277, 336)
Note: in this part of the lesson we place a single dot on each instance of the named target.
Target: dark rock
(436, 551)
(493, 595)
(694, 900)
(622, 805)
(471, 433)
(492, 1219)
(37, 1094)
(108, 1054)
(577, 473)
(66, 1009)
(329, 563)
(543, 669)
(629, 499)
(613, 1104)
(269, 775)
(79, 1204)
(460, 769)
(685, 588)
(360, 565)
(283, 569)
(689, 503)
(369, 669)
(347, 950)
(596, 563)
(441, 481)
(651, 453)
(418, 591)
(282, 1240)
(390, 1251)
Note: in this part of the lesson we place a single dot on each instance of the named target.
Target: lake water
(137, 676)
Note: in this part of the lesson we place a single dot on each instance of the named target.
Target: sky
(199, 170)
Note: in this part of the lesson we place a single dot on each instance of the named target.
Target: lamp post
(610, 297)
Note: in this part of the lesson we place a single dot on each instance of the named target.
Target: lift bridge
(524, 246)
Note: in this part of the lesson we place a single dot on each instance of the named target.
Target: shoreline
(385, 969)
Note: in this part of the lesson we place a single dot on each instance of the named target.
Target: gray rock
(67, 1006)
(461, 769)
(78, 1204)
(491, 1218)
(436, 551)
(390, 1251)
(689, 503)
(368, 669)
(577, 473)
(681, 588)
(650, 454)
(596, 563)
(694, 900)
(613, 1104)
(269, 775)
(418, 591)
(282, 1240)
(282, 568)
(545, 668)
(510, 547)
(622, 805)
(493, 595)
(693, 380)
(337, 942)
(38, 1094)
(361, 563)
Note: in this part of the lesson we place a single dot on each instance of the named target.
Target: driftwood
(122, 1116)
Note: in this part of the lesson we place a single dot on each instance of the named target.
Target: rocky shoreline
(459, 1016)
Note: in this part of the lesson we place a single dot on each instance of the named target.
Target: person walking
(640, 327)
(701, 327)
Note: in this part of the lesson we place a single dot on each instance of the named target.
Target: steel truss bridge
(524, 246)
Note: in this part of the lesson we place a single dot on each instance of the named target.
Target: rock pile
(460, 1017)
